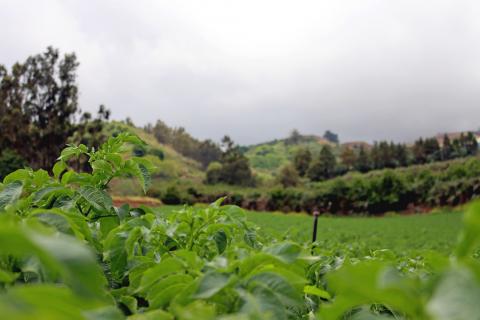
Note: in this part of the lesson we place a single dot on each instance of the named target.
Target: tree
(208, 152)
(471, 144)
(294, 138)
(288, 176)
(401, 155)
(348, 158)
(418, 150)
(447, 148)
(362, 162)
(330, 136)
(162, 132)
(234, 167)
(302, 160)
(432, 150)
(376, 157)
(323, 167)
(38, 104)
(204, 152)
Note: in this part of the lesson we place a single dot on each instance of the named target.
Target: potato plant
(67, 253)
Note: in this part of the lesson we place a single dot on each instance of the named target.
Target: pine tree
(323, 167)
(362, 162)
(447, 148)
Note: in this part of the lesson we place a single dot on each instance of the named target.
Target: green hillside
(266, 158)
(172, 168)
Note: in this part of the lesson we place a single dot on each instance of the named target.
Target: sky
(256, 69)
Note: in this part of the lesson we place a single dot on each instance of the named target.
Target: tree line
(203, 151)
(382, 155)
(413, 189)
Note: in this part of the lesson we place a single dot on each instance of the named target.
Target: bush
(171, 196)
(289, 176)
(157, 153)
(214, 173)
(9, 162)
(154, 192)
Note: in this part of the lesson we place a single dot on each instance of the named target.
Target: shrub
(288, 176)
(9, 162)
(157, 153)
(171, 196)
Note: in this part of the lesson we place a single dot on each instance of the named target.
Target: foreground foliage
(68, 253)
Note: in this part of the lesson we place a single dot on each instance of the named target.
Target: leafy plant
(68, 253)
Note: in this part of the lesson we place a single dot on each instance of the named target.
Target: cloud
(257, 69)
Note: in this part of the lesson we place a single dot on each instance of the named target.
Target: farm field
(400, 233)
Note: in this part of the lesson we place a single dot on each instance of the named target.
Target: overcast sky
(257, 69)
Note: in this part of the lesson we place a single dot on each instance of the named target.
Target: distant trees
(382, 155)
(233, 167)
(294, 138)
(302, 160)
(204, 152)
(38, 104)
(330, 136)
(362, 163)
(348, 158)
(323, 167)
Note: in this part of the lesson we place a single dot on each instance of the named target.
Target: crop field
(435, 231)
(400, 233)
(70, 252)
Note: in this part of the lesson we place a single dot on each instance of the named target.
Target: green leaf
(7, 276)
(58, 169)
(287, 252)
(220, 238)
(44, 301)
(97, 198)
(22, 175)
(211, 284)
(10, 193)
(456, 296)
(152, 315)
(60, 255)
(470, 236)
(312, 290)
(102, 166)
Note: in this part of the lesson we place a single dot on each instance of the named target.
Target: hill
(266, 158)
(170, 165)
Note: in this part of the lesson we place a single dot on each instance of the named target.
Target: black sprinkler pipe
(315, 225)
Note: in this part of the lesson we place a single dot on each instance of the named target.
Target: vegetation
(38, 102)
(204, 152)
(270, 157)
(67, 252)
(233, 168)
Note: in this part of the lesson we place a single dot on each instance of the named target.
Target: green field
(437, 231)
(434, 231)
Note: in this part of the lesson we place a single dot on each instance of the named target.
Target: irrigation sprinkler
(316, 213)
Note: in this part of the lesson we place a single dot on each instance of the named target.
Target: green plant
(68, 253)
